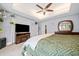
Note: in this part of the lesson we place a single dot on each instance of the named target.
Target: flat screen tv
(22, 28)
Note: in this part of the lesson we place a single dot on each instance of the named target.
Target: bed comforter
(55, 45)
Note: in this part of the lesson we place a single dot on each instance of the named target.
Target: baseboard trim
(9, 43)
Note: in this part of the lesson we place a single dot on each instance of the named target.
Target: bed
(52, 45)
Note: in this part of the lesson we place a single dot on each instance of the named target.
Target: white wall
(52, 23)
(9, 29)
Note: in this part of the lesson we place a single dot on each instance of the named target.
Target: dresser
(67, 33)
(22, 37)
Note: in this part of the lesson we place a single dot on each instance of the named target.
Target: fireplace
(22, 33)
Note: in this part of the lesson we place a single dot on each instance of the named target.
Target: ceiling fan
(44, 10)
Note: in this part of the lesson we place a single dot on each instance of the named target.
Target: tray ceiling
(28, 10)
(31, 9)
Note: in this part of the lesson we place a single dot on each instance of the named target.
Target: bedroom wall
(53, 22)
(9, 29)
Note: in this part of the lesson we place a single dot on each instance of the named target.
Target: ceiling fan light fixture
(44, 10)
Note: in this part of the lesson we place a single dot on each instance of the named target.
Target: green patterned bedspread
(55, 45)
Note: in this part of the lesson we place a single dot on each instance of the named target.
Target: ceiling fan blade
(48, 5)
(49, 10)
(39, 6)
(38, 11)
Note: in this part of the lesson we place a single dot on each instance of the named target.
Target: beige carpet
(12, 50)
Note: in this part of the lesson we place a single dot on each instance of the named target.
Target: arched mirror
(65, 26)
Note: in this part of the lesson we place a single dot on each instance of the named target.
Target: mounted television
(22, 28)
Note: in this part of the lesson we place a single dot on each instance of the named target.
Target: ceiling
(30, 9)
